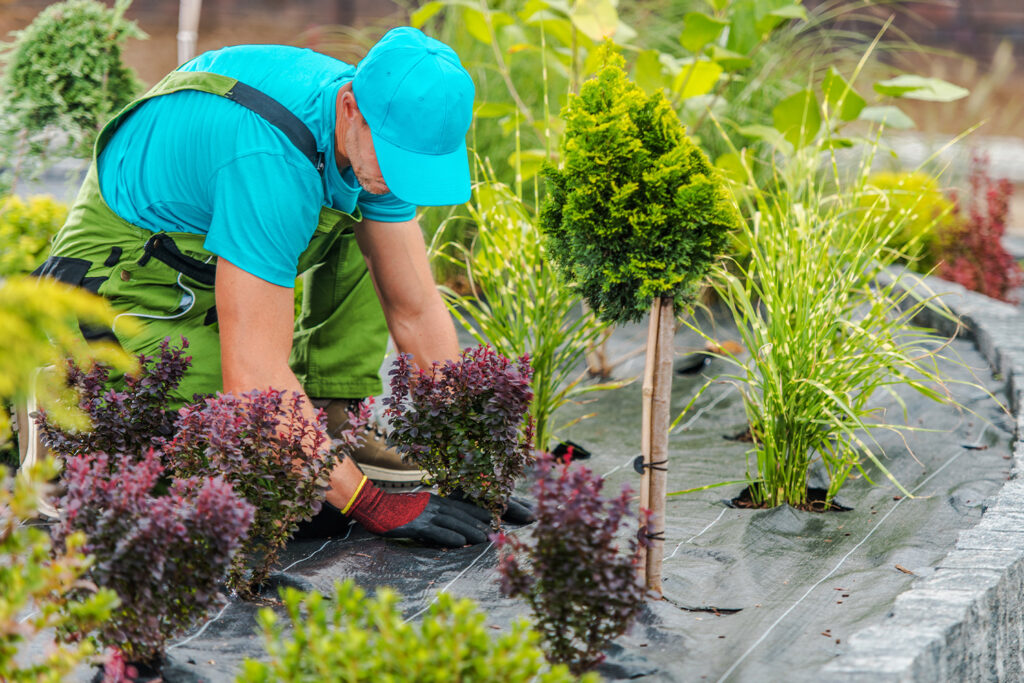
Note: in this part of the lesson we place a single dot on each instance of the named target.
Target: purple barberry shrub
(272, 455)
(129, 420)
(465, 423)
(164, 555)
(580, 583)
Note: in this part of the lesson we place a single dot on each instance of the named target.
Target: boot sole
(393, 478)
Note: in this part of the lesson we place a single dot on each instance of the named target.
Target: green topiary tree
(63, 78)
(637, 211)
(636, 216)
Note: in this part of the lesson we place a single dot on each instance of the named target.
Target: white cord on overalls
(184, 306)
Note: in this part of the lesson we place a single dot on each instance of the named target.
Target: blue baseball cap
(418, 102)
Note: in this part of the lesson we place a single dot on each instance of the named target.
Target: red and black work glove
(419, 516)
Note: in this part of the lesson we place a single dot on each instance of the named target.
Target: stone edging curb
(965, 622)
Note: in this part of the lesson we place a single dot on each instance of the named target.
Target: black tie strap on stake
(656, 536)
(639, 465)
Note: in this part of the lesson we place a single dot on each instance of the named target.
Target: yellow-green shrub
(26, 228)
(357, 638)
(915, 202)
(40, 323)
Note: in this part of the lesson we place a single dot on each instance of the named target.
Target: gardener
(251, 164)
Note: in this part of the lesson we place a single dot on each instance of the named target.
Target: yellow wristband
(348, 506)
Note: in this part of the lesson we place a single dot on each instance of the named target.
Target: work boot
(382, 464)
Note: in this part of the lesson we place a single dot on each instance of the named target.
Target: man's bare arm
(417, 318)
(256, 320)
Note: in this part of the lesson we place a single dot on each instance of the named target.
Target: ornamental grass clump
(164, 554)
(272, 455)
(519, 305)
(353, 637)
(828, 326)
(581, 585)
(465, 422)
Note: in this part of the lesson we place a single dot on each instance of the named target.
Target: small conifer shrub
(273, 456)
(164, 555)
(582, 588)
(636, 211)
(463, 422)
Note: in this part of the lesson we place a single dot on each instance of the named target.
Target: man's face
(359, 145)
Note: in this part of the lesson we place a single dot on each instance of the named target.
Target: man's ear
(347, 106)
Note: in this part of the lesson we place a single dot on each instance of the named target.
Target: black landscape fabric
(749, 594)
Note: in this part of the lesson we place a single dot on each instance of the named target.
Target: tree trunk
(657, 392)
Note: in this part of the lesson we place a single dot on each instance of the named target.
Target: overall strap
(280, 116)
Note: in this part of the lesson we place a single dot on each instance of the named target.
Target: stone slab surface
(964, 622)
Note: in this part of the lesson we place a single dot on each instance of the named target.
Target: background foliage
(63, 78)
(26, 228)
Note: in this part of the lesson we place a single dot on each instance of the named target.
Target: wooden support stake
(657, 475)
(647, 395)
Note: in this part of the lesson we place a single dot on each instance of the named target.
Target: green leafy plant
(64, 73)
(41, 589)
(358, 638)
(637, 211)
(163, 553)
(272, 455)
(582, 588)
(463, 422)
(517, 303)
(26, 228)
(826, 331)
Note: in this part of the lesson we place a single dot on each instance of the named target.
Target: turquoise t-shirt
(200, 163)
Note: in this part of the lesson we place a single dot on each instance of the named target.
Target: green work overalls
(165, 280)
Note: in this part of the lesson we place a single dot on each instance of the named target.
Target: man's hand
(517, 510)
(420, 516)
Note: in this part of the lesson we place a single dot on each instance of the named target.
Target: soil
(816, 502)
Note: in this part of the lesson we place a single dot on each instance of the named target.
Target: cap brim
(424, 179)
